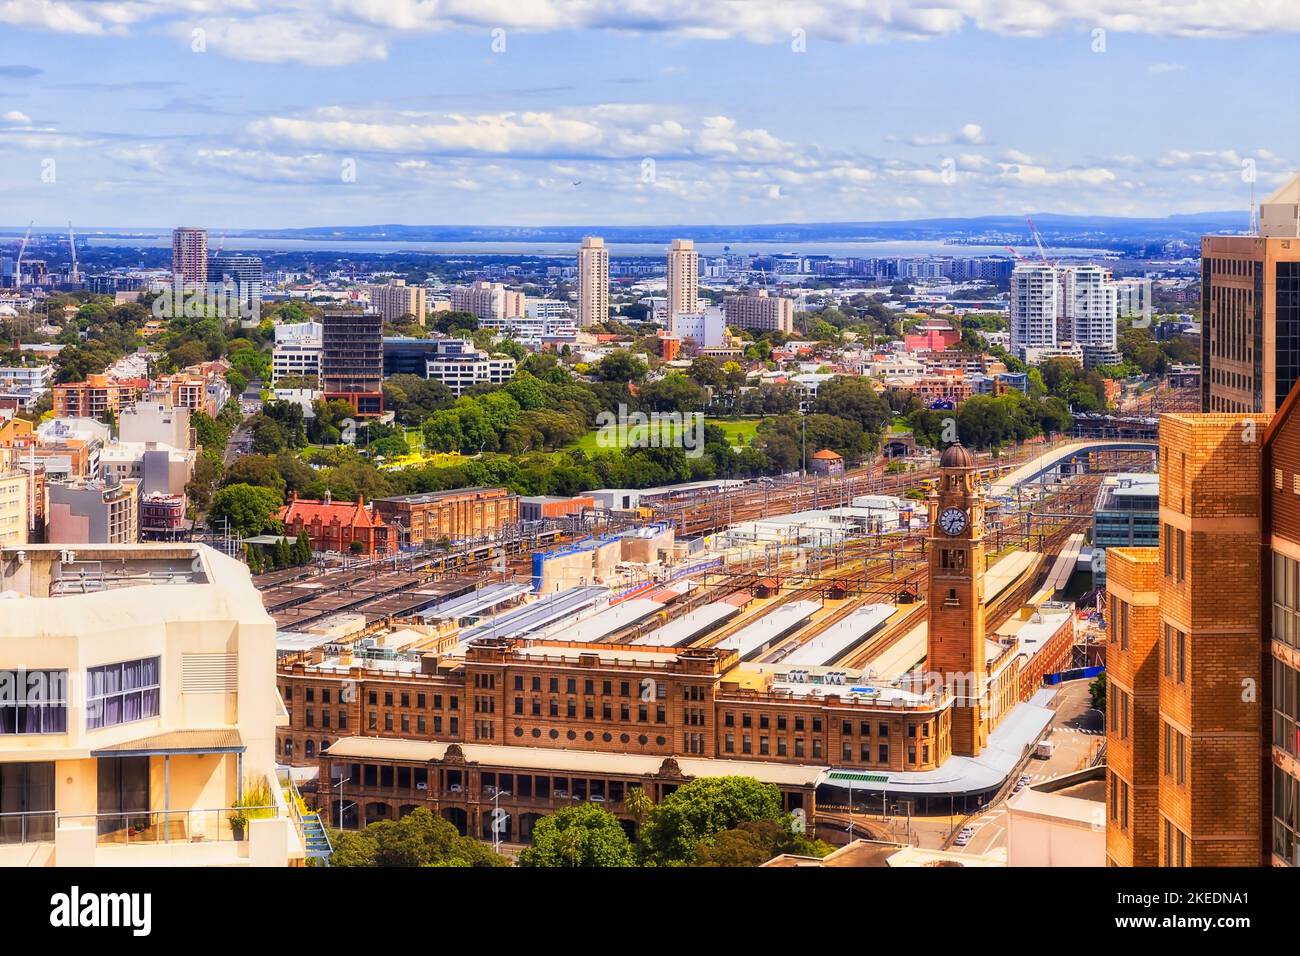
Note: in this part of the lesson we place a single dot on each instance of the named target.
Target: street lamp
(342, 781)
(496, 819)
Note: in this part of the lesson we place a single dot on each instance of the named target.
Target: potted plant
(238, 824)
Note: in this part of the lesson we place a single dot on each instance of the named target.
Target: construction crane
(22, 250)
(75, 276)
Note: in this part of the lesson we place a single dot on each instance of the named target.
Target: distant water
(864, 249)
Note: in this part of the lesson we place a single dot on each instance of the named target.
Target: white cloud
(341, 31)
(13, 116)
(971, 134)
(611, 131)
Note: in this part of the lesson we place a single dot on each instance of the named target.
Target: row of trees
(711, 821)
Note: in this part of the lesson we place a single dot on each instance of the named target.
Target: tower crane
(72, 247)
(22, 250)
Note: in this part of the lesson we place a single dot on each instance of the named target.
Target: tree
(1097, 692)
(855, 399)
(585, 835)
(254, 559)
(621, 366)
(283, 557)
(417, 839)
(638, 803)
(700, 809)
(302, 549)
(250, 509)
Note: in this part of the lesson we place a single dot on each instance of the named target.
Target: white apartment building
(298, 349)
(683, 278)
(1035, 306)
(1089, 305)
(25, 384)
(488, 301)
(761, 312)
(707, 328)
(156, 422)
(538, 308)
(1133, 297)
(458, 365)
(146, 712)
(593, 281)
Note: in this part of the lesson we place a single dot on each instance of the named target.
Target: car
(962, 839)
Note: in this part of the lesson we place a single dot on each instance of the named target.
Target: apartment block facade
(460, 515)
(593, 282)
(146, 708)
(760, 312)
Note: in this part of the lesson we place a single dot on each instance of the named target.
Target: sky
(293, 113)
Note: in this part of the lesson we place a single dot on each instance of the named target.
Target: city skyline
(555, 114)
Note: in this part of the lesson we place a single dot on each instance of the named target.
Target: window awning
(222, 741)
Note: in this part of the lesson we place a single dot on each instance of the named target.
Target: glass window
(33, 702)
(122, 693)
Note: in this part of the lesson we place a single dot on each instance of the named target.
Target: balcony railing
(170, 826)
(30, 827)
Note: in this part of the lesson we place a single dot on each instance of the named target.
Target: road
(1077, 730)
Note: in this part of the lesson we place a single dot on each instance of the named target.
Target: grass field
(739, 431)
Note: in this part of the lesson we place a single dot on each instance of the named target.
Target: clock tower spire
(956, 648)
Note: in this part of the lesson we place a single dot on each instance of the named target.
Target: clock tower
(956, 648)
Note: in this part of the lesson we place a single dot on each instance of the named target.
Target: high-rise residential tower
(1089, 303)
(683, 278)
(190, 258)
(1035, 307)
(593, 282)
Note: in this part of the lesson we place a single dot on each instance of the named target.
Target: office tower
(1090, 306)
(237, 275)
(683, 278)
(761, 312)
(956, 645)
(189, 258)
(593, 282)
(93, 511)
(1250, 311)
(397, 299)
(1035, 305)
(352, 358)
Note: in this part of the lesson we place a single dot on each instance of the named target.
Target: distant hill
(1061, 229)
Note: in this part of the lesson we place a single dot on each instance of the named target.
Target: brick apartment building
(1203, 699)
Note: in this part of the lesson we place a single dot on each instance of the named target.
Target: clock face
(952, 521)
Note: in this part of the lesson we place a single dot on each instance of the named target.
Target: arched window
(310, 748)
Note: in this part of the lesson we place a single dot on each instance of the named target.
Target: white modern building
(707, 328)
(488, 301)
(298, 349)
(1035, 306)
(458, 365)
(1089, 305)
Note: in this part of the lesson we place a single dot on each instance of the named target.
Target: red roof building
(335, 525)
(826, 462)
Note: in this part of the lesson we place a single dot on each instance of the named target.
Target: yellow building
(13, 508)
(138, 712)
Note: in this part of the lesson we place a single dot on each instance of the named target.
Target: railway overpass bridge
(1054, 459)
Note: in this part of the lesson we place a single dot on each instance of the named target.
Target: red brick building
(335, 525)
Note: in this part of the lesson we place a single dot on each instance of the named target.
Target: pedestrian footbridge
(1052, 460)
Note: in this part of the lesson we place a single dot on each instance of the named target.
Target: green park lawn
(739, 431)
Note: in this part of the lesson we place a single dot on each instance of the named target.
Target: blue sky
(297, 113)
